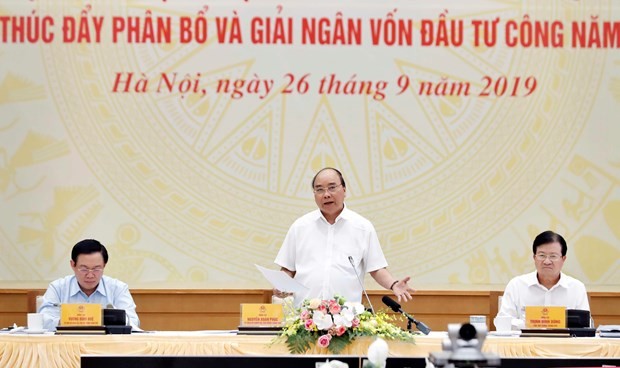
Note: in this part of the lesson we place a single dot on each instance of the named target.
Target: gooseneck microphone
(396, 308)
(372, 310)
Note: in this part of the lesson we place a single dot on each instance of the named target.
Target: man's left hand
(402, 290)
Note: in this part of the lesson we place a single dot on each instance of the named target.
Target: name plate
(545, 317)
(80, 315)
(261, 315)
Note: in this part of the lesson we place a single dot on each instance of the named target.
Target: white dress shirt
(319, 254)
(66, 290)
(525, 290)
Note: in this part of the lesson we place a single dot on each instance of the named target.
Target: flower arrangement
(334, 324)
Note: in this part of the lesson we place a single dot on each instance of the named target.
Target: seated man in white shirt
(88, 285)
(547, 286)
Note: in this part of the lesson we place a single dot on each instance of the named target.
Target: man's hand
(281, 294)
(402, 290)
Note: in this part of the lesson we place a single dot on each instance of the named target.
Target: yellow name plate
(80, 315)
(262, 315)
(545, 317)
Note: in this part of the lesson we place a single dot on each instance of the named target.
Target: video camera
(463, 348)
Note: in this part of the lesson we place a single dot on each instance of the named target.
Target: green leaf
(338, 344)
(300, 343)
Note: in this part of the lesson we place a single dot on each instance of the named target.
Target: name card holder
(81, 319)
(81, 315)
(545, 317)
(261, 319)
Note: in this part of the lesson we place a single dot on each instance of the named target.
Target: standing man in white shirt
(547, 286)
(87, 285)
(324, 249)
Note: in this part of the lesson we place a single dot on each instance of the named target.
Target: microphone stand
(396, 308)
(372, 310)
(419, 325)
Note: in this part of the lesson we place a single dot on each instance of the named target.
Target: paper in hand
(281, 281)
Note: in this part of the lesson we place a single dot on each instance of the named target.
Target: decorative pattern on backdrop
(184, 136)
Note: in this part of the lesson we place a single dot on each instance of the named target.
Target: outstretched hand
(402, 290)
(281, 294)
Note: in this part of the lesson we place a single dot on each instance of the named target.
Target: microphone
(396, 308)
(372, 310)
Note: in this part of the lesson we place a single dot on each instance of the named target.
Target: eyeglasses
(86, 270)
(331, 189)
(552, 257)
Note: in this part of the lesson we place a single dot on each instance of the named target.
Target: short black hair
(547, 237)
(89, 246)
(329, 168)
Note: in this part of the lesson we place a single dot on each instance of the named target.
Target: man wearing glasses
(88, 285)
(327, 249)
(547, 286)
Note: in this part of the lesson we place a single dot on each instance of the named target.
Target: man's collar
(563, 280)
(74, 287)
(344, 214)
(532, 279)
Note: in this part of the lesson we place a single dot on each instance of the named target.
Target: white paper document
(281, 281)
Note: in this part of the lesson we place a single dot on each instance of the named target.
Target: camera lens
(467, 332)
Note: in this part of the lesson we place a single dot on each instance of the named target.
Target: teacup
(502, 323)
(35, 321)
(480, 322)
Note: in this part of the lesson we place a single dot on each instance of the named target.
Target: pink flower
(309, 325)
(334, 308)
(355, 322)
(340, 330)
(322, 308)
(324, 340)
(305, 315)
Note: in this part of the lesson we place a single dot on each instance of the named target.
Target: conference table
(49, 350)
